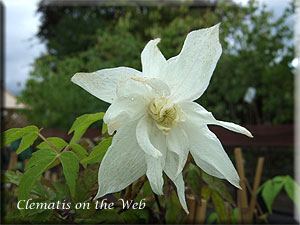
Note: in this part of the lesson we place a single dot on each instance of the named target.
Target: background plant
(257, 51)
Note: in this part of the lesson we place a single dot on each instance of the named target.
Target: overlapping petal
(208, 152)
(189, 73)
(143, 132)
(124, 110)
(103, 83)
(201, 116)
(123, 163)
(155, 165)
(178, 142)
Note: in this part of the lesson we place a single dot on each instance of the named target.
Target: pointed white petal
(153, 61)
(171, 169)
(124, 110)
(189, 73)
(208, 152)
(154, 174)
(177, 142)
(143, 132)
(102, 83)
(201, 116)
(123, 163)
(155, 165)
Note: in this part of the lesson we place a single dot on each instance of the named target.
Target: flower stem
(161, 210)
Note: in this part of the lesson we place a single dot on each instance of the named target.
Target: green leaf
(270, 191)
(38, 163)
(291, 187)
(218, 185)
(14, 134)
(174, 209)
(235, 216)
(26, 142)
(80, 152)
(220, 208)
(104, 128)
(212, 218)
(55, 141)
(193, 180)
(206, 192)
(87, 182)
(15, 177)
(82, 123)
(98, 152)
(70, 165)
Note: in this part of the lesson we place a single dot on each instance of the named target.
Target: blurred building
(13, 111)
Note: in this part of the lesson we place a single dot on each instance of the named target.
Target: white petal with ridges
(103, 83)
(201, 116)
(123, 163)
(153, 61)
(208, 152)
(189, 73)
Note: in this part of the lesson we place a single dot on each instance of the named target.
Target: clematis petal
(153, 61)
(189, 73)
(143, 131)
(201, 116)
(171, 170)
(154, 174)
(208, 152)
(158, 86)
(102, 83)
(123, 110)
(177, 142)
(123, 163)
(155, 165)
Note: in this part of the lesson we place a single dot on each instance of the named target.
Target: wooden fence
(264, 135)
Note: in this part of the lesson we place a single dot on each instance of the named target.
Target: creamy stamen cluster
(165, 113)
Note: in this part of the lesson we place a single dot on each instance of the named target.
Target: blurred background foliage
(257, 51)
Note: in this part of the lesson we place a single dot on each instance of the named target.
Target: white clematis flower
(156, 120)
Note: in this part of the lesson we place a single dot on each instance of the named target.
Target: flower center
(165, 114)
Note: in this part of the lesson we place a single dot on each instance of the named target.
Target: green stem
(45, 139)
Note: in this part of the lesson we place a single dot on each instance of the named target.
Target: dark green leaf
(206, 192)
(218, 185)
(87, 183)
(70, 165)
(193, 180)
(55, 141)
(220, 208)
(174, 209)
(212, 218)
(82, 123)
(15, 177)
(14, 134)
(98, 152)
